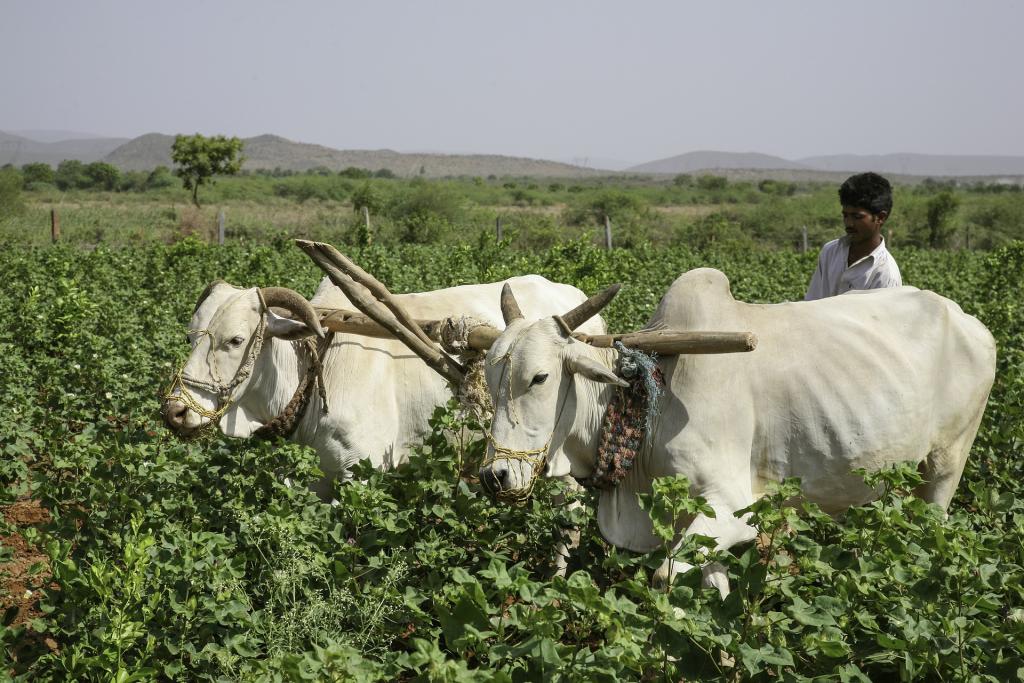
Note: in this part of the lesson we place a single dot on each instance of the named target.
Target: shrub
(354, 173)
(160, 177)
(712, 182)
(426, 211)
(11, 203)
(940, 210)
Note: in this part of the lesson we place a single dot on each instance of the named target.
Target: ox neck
(591, 401)
(274, 383)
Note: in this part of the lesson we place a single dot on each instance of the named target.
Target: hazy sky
(632, 81)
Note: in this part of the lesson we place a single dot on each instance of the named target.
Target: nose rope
(527, 456)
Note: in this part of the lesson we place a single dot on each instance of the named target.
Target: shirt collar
(877, 253)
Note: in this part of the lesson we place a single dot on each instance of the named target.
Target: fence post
(220, 227)
(54, 226)
(803, 232)
(497, 228)
(366, 218)
(607, 233)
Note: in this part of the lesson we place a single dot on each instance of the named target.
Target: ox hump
(696, 297)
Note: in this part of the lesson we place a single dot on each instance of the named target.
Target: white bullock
(247, 363)
(860, 380)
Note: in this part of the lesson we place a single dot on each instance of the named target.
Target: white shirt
(832, 276)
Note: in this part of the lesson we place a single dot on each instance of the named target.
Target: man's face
(861, 225)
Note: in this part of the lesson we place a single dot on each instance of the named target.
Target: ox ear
(591, 369)
(286, 328)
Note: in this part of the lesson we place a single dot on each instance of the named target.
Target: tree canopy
(198, 158)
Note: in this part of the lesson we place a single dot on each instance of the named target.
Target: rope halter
(223, 390)
(537, 458)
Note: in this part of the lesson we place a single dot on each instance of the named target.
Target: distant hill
(55, 135)
(909, 167)
(143, 153)
(599, 163)
(19, 150)
(706, 160)
(920, 164)
(272, 151)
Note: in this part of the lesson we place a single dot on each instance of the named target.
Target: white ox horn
(294, 303)
(588, 309)
(509, 306)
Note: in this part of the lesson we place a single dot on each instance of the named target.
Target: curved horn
(206, 292)
(295, 303)
(591, 307)
(509, 308)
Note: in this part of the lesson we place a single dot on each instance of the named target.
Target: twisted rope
(287, 421)
(628, 423)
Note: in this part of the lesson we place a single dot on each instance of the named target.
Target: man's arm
(816, 290)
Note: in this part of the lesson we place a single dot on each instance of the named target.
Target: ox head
(531, 373)
(227, 333)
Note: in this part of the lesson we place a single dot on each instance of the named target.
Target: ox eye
(236, 341)
(539, 379)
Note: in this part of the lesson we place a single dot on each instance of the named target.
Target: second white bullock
(855, 381)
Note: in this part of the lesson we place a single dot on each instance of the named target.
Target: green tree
(940, 209)
(198, 159)
(102, 175)
(71, 175)
(37, 173)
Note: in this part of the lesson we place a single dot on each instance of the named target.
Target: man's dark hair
(867, 191)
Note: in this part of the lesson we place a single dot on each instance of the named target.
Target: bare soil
(19, 586)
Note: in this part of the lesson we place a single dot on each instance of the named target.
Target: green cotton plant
(115, 637)
(193, 561)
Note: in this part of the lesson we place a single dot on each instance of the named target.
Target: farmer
(859, 259)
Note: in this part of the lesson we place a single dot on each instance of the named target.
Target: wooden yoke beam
(387, 314)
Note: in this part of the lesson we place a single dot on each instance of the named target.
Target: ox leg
(322, 487)
(568, 538)
(943, 467)
(727, 529)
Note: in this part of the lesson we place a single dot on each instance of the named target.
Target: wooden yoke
(372, 298)
(383, 317)
(673, 342)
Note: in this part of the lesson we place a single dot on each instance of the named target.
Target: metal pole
(607, 233)
(220, 227)
(803, 232)
(54, 226)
